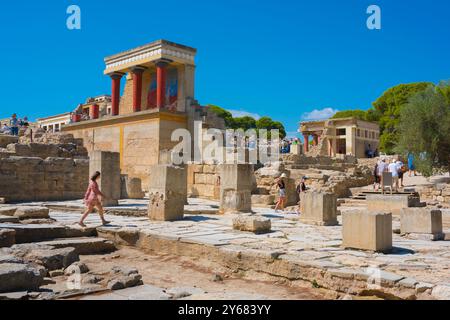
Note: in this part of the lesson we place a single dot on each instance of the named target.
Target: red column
(306, 143)
(115, 92)
(137, 87)
(94, 111)
(161, 84)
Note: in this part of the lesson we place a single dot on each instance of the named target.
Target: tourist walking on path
(281, 184)
(14, 125)
(92, 199)
(401, 172)
(394, 170)
(411, 166)
(381, 167)
(301, 187)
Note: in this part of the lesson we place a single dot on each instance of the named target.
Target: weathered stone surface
(23, 212)
(7, 237)
(56, 273)
(17, 277)
(441, 292)
(421, 220)
(391, 203)
(6, 219)
(76, 267)
(263, 199)
(318, 208)
(123, 282)
(167, 192)
(367, 230)
(84, 246)
(7, 211)
(236, 183)
(53, 259)
(108, 164)
(132, 188)
(252, 224)
(183, 292)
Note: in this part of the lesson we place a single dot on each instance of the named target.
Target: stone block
(32, 213)
(236, 183)
(8, 211)
(263, 199)
(108, 164)
(391, 203)
(318, 208)
(252, 224)
(367, 230)
(131, 188)
(7, 238)
(17, 277)
(421, 220)
(167, 192)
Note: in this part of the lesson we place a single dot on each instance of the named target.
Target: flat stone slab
(84, 246)
(7, 211)
(24, 212)
(8, 219)
(27, 233)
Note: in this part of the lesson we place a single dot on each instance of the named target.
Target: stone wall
(436, 193)
(203, 181)
(35, 179)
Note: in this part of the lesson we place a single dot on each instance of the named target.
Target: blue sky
(278, 58)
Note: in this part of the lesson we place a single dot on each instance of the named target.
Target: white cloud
(241, 113)
(319, 114)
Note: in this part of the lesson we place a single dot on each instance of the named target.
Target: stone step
(27, 233)
(84, 245)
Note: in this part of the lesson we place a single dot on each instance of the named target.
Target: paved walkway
(425, 261)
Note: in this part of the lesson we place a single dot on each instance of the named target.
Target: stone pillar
(94, 111)
(318, 208)
(306, 143)
(236, 181)
(167, 192)
(161, 71)
(367, 230)
(108, 164)
(137, 87)
(115, 92)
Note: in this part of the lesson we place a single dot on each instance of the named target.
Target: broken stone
(56, 273)
(32, 213)
(217, 278)
(7, 237)
(17, 277)
(123, 282)
(8, 211)
(441, 292)
(92, 279)
(124, 271)
(252, 224)
(54, 259)
(183, 292)
(76, 267)
(116, 284)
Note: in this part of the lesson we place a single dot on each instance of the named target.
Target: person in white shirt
(394, 169)
(381, 167)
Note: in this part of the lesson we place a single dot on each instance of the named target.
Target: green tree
(387, 110)
(359, 114)
(424, 129)
(224, 114)
(244, 123)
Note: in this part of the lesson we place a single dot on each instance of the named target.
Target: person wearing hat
(281, 184)
(301, 187)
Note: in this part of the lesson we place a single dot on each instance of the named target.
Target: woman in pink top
(91, 199)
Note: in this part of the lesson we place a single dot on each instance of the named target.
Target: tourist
(394, 170)
(92, 200)
(411, 166)
(382, 167)
(301, 187)
(401, 171)
(377, 177)
(14, 125)
(281, 185)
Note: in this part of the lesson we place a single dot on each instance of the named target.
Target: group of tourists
(14, 125)
(285, 145)
(396, 168)
(281, 185)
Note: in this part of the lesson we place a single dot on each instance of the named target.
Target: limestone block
(262, 199)
(391, 203)
(7, 211)
(7, 237)
(367, 230)
(17, 277)
(108, 164)
(421, 220)
(32, 213)
(318, 208)
(235, 188)
(167, 192)
(252, 224)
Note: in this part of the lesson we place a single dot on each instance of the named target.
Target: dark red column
(306, 143)
(115, 92)
(137, 87)
(94, 111)
(161, 70)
